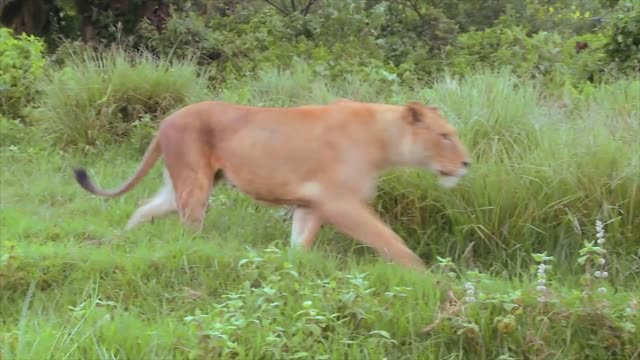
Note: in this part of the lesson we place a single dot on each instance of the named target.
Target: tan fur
(323, 160)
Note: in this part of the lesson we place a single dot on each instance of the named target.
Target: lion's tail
(150, 157)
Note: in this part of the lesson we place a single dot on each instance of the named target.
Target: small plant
(446, 266)
(592, 257)
(542, 281)
(470, 293)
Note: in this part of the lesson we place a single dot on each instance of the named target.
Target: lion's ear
(414, 113)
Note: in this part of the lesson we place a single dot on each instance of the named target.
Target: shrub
(509, 48)
(547, 56)
(623, 46)
(232, 46)
(10, 131)
(21, 64)
(589, 64)
(98, 97)
(250, 41)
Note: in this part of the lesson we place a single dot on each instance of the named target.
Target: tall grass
(97, 96)
(542, 174)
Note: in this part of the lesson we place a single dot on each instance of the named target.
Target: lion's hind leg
(192, 188)
(193, 200)
(161, 204)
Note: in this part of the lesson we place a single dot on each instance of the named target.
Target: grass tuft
(96, 98)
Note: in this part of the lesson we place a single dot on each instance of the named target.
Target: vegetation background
(535, 255)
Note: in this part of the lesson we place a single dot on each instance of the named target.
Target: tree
(292, 6)
(33, 17)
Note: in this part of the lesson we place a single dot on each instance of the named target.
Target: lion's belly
(265, 189)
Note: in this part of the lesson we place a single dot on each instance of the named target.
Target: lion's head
(433, 143)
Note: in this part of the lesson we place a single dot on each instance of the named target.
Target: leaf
(538, 257)
(582, 259)
(382, 333)
(299, 355)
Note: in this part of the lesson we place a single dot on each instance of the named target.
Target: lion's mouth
(446, 173)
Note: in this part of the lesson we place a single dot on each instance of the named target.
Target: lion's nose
(466, 163)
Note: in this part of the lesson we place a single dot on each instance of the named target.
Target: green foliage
(400, 41)
(10, 131)
(413, 37)
(543, 55)
(21, 65)
(234, 46)
(98, 97)
(566, 17)
(239, 46)
(623, 46)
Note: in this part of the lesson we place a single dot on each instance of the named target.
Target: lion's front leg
(305, 225)
(357, 220)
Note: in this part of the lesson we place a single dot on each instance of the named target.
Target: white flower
(541, 267)
(597, 274)
(470, 299)
(542, 299)
(602, 290)
(600, 241)
(605, 274)
(602, 261)
(541, 288)
(541, 282)
(468, 286)
(470, 292)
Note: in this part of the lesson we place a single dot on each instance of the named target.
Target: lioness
(321, 159)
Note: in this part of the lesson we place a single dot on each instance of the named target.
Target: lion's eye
(445, 136)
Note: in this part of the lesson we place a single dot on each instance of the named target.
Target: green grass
(73, 284)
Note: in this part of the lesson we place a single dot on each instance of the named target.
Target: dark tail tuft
(83, 179)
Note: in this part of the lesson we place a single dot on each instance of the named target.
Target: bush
(508, 48)
(566, 17)
(10, 131)
(21, 64)
(100, 97)
(250, 41)
(547, 56)
(623, 46)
